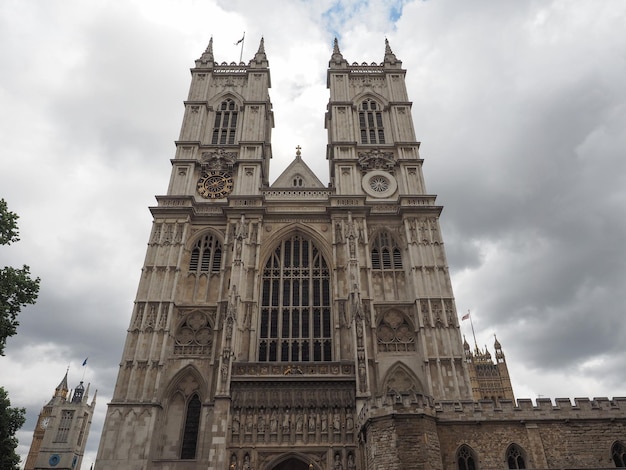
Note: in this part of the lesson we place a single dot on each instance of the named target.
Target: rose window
(379, 183)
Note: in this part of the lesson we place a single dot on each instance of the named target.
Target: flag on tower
(466, 316)
(85, 361)
(240, 41)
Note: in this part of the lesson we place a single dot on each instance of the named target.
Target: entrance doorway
(292, 464)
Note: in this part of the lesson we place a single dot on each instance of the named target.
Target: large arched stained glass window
(295, 320)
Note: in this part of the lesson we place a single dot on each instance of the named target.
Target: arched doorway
(292, 464)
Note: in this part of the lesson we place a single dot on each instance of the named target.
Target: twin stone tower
(298, 326)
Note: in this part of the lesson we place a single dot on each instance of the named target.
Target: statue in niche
(299, 421)
(349, 422)
(336, 421)
(236, 422)
(249, 420)
(324, 420)
(233, 462)
(337, 465)
(286, 422)
(273, 422)
(260, 422)
(246, 462)
(351, 464)
(312, 421)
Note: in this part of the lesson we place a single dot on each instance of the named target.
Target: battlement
(504, 410)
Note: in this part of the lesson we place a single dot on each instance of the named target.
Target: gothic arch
(515, 457)
(295, 299)
(186, 381)
(369, 94)
(466, 458)
(618, 454)
(296, 228)
(292, 458)
(400, 380)
(219, 98)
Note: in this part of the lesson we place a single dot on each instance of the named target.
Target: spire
(206, 59)
(260, 59)
(337, 60)
(62, 388)
(390, 57)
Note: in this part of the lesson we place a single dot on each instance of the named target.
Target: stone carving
(218, 160)
(377, 160)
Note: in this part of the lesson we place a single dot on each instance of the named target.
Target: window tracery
(371, 122)
(514, 457)
(225, 124)
(194, 336)
(386, 255)
(618, 454)
(295, 320)
(206, 255)
(465, 458)
(394, 333)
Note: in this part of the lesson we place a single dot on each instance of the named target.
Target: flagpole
(243, 40)
(473, 334)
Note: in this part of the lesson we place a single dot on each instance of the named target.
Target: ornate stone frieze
(220, 160)
(376, 159)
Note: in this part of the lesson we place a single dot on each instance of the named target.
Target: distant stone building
(297, 326)
(490, 381)
(61, 431)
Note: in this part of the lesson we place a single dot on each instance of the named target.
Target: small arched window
(386, 255)
(298, 181)
(515, 457)
(465, 458)
(618, 454)
(190, 433)
(206, 255)
(371, 122)
(225, 124)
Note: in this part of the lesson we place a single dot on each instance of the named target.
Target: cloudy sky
(520, 107)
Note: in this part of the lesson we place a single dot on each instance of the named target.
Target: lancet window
(371, 122)
(295, 320)
(64, 425)
(206, 255)
(514, 457)
(465, 458)
(386, 254)
(190, 432)
(225, 124)
(618, 454)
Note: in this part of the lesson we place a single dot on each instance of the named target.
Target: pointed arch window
(515, 457)
(225, 124)
(190, 432)
(465, 458)
(295, 320)
(386, 254)
(206, 255)
(371, 122)
(618, 454)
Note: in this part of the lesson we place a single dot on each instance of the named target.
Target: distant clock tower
(61, 431)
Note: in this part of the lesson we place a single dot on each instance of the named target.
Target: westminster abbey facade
(303, 326)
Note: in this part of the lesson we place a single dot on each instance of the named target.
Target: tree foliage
(11, 419)
(17, 287)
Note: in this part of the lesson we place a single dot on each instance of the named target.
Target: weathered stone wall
(416, 434)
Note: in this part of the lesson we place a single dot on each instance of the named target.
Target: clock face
(215, 184)
(44, 423)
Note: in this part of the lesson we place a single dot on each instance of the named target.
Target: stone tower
(271, 321)
(61, 431)
(490, 381)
